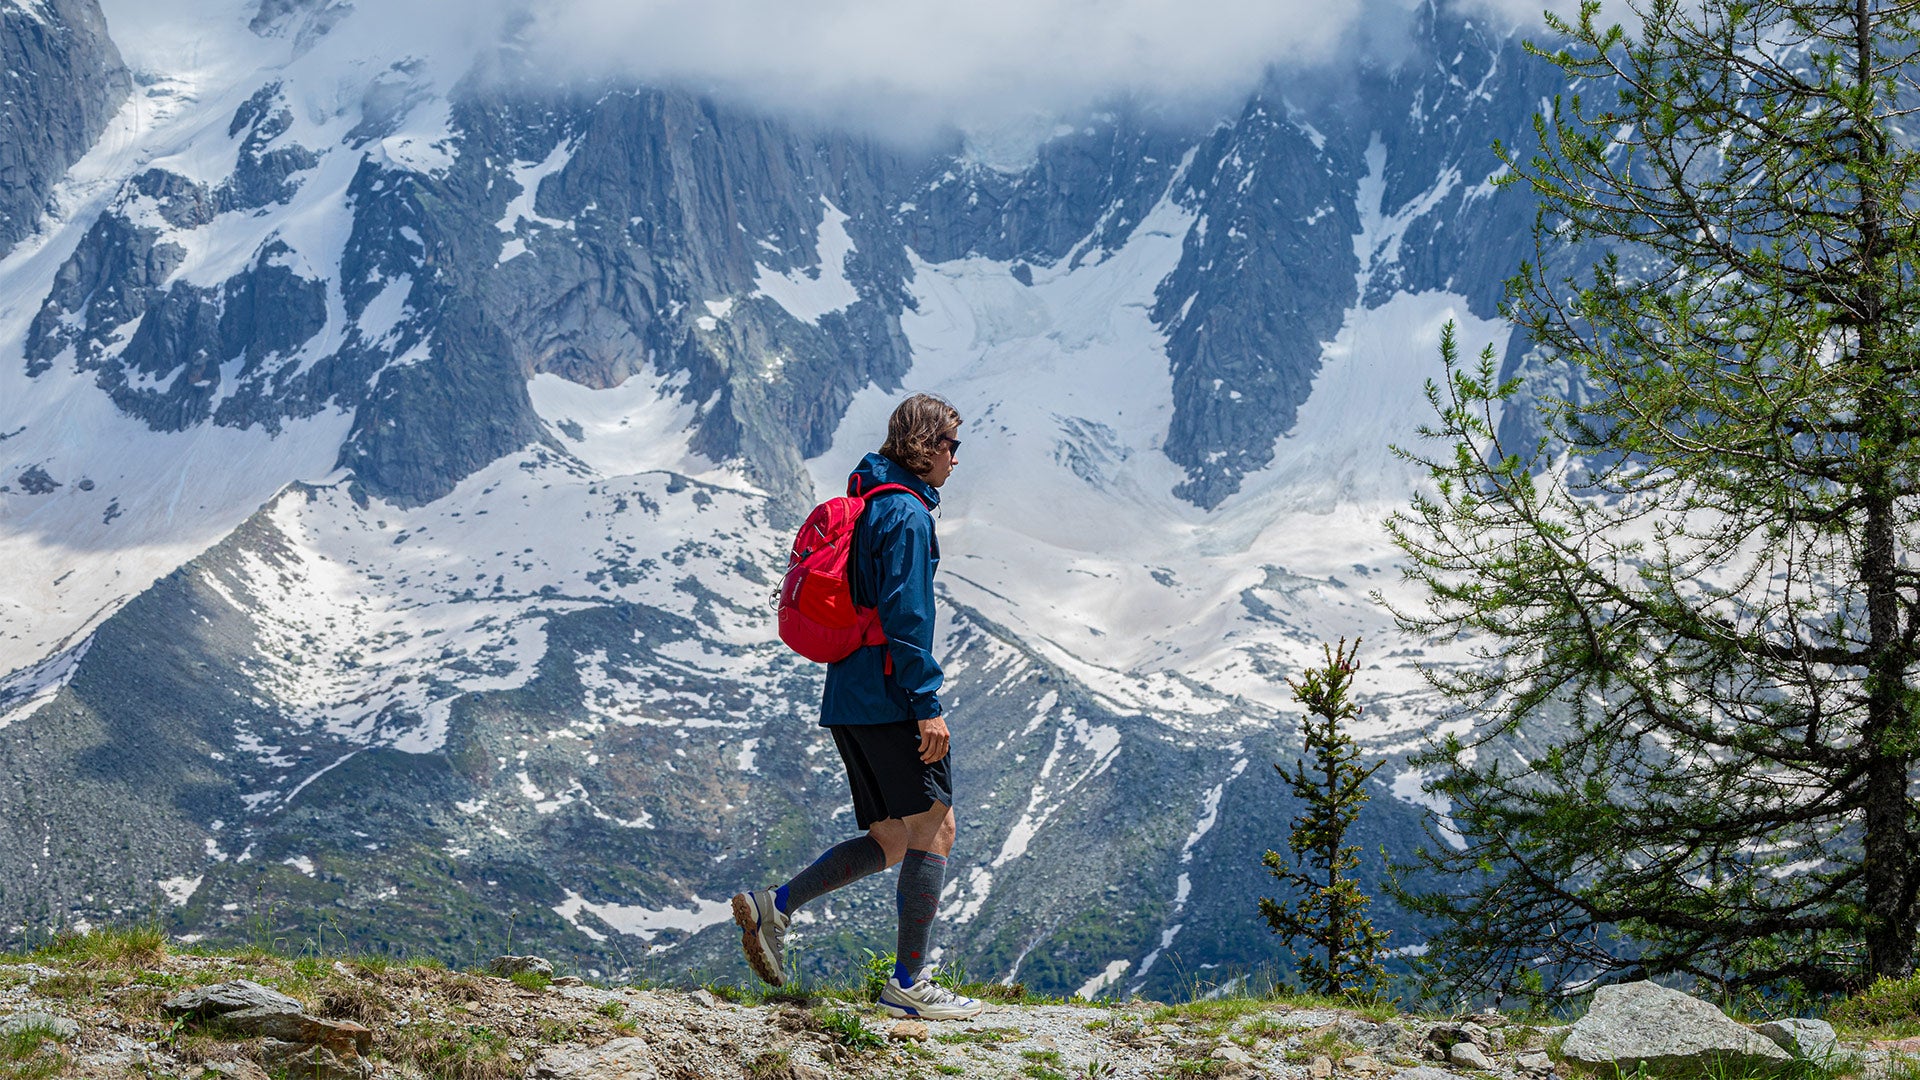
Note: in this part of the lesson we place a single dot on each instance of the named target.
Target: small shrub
(1263, 1027)
(612, 1010)
(845, 1026)
(374, 964)
(65, 986)
(464, 987)
(1326, 1044)
(531, 980)
(31, 1052)
(1889, 1006)
(770, 1065)
(102, 947)
(874, 973)
(729, 992)
(952, 976)
(451, 1052)
(355, 1000)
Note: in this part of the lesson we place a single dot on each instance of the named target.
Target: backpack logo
(818, 618)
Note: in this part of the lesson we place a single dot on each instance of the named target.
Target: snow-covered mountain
(397, 452)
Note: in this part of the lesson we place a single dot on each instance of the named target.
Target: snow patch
(527, 175)
(178, 890)
(1107, 976)
(1409, 787)
(641, 425)
(647, 923)
(809, 294)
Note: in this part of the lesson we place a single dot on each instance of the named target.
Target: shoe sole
(908, 1012)
(749, 922)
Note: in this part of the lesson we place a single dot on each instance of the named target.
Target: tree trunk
(1888, 873)
(1889, 877)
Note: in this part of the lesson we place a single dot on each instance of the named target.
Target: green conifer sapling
(1342, 950)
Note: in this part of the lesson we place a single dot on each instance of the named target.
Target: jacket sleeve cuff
(926, 708)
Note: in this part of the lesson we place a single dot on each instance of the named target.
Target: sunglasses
(952, 444)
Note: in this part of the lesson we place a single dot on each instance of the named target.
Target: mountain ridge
(459, 421)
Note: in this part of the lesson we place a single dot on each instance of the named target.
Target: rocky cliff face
(399, 474)
(61, 81)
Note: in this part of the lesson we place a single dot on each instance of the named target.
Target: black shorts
(885, 771)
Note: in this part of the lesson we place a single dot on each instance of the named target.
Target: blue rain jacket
(894, 557)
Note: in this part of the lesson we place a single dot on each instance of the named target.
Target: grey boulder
(1469, 1056)
(228, 997)
(508, 966)
(312, 1062)
(1813, 1040)
(342, 1037)
(247, 1008)
(1671, 1033)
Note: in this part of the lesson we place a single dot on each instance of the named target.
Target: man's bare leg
(931, 830)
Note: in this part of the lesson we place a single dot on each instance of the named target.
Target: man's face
(946, 454)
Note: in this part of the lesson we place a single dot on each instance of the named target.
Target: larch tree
(1327, 910)
(1691, 604)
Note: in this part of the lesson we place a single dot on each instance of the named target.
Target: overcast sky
(980, 64)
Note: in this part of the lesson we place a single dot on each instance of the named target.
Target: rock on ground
(1641, 1023)
(1813, 1040)
(229, 997)
(509, 966)
(1469, 1056)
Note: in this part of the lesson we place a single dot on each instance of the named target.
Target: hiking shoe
(927, 1000)
(763, 934)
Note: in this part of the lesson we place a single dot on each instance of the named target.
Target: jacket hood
(876, 469)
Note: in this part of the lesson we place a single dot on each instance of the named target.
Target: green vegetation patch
(770, 1065)
(107, 947)
(453, 1052)
(989, 1036)
(846, 1027)
(30, 1052)
(1890, 1008)
(531, 980)
(66, 986)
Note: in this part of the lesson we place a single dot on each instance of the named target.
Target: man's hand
(933, 739)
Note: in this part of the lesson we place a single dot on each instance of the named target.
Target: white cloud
(902, 67)
(908, 65)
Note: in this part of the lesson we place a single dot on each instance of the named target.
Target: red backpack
(818, 618)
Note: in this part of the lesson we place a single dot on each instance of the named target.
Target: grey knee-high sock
(921, 874)
(842, 864)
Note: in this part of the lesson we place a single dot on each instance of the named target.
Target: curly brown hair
(914, 431)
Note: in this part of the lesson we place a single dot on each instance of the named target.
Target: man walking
(882, 705)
